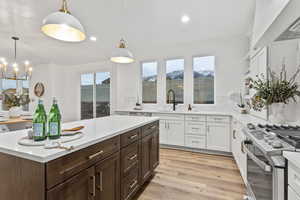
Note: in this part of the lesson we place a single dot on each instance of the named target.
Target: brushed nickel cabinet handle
(95, 155)
(233, 134)
(101, 180)
(94, 186)
(133, 136)
(133, 157)
(133, 184)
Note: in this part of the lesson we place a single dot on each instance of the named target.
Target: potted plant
(276, 92)
(14, 102)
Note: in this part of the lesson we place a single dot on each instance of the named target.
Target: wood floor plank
(184, 175)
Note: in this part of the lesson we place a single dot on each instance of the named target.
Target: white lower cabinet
(236, 145)
(172, 132)
(175, 132)
(218, 136)
(292, 195)
(293, 182)
(198, 142)
(163, 132)
(197, 131)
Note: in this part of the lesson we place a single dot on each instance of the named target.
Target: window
(149, 75)
(102, 94)
(174, 78)
(95, 95)
(87, 96)
(204, 80)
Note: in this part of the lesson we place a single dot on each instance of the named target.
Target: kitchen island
(115, 157)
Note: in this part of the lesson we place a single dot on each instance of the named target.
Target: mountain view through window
(204, 79)
(174, 78)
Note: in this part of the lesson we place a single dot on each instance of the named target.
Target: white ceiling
(141, 22)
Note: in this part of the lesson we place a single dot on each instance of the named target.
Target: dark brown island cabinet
(114, 169)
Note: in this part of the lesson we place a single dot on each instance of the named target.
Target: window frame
(140, 98)
(215, 75)
(94, 72)
(164, 75)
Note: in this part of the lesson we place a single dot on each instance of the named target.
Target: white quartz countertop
(293, 157)
(96, 130)
(242, 118)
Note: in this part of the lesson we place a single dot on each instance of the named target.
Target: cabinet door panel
(155, 150)
(163, 136)
(108, 179)
(79, 187)
(175, 133)
(146, 167)
(218, 137)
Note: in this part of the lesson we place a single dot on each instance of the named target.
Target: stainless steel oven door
(259, 173)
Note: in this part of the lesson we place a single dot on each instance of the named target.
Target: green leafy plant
(13, 99)
(276, 89)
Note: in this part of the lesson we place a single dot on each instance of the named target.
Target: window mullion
(94, 96)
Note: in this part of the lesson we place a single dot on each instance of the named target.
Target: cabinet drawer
(294, 177)
(129, 158)
(169, 116)
(292, 195)
(218, 119)
(195, 142)
(199, 118)
(195, 128)
(150, 128)
(63, 168)
(130, 137)
(130, 185)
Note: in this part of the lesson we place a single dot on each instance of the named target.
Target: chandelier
(15, 70)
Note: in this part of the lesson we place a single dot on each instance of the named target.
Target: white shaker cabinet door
(175, 132)
(218, 137)
(163, 132)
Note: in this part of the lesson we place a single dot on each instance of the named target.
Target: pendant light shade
(122, 55)
(63, 26)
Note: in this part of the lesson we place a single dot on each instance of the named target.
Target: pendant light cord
(15, 45)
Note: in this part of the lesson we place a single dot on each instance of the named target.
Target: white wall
(63, 82)
(230, 66)
(289, 51)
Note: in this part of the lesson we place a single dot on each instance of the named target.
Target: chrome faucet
(173, 98)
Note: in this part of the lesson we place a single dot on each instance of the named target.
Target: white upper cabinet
(218, 136)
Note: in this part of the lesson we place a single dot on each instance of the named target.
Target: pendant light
(15, 70)
(121, 54)
(63, 26)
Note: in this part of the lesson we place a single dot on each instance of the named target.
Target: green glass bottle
(54, 121)
(39, 122)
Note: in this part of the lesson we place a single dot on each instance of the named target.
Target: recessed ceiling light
(93, 38)
(185, 19)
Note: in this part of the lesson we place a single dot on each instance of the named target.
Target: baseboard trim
(210, 152)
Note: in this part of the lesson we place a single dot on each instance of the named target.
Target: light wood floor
(185, 175)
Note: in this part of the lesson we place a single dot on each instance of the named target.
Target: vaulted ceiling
(141, 22)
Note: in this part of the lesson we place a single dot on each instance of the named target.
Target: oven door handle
(261, 164)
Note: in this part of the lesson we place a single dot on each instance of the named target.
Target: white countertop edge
(177, 112)
(77, 148)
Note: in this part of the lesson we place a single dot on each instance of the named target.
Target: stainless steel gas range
(266, 166)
